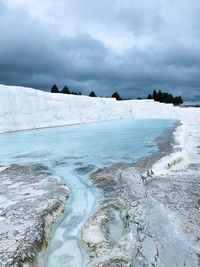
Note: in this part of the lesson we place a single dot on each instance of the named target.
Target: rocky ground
(161, 217)
(31, 202)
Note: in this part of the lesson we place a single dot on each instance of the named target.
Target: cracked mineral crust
(31, 202)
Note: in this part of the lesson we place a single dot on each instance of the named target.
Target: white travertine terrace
(25, 108)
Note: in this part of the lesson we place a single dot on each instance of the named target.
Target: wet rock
(161, 215)
(31, 202)
(85, 169)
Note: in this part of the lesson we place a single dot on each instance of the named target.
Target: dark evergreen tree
(170, 98)
(92, 94)
(54, 89)
(154, 95)
(177, 100)
(166, 98)
(149, 96)
(180, 100)
(117, 96)
(160, 96)
(65, 90)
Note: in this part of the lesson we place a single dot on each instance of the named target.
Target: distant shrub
(65, 90)
(92, 94)
(117, 96)
(54, 89)
(178, 100)
(149, 96)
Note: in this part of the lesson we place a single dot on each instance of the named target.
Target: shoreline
(178, 157)
(78, 123)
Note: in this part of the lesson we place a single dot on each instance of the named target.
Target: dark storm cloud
(130, 46)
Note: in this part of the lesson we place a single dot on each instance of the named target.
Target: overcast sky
(133, 46)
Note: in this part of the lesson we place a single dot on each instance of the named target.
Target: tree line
(159, 96)
(164, 97)
(66, 90)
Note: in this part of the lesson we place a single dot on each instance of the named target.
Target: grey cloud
(34, 54)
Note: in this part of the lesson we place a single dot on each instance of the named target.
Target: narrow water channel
(66, 249)
(72, 153)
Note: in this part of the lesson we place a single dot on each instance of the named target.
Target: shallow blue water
(95, 143)
(72, 152)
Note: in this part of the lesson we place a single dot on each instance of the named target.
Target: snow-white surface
(179, 158)
(150, 109)
(31, 201)
(185, 150)
(25, 108)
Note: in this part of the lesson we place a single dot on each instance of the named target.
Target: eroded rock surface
(31, 202)
(161, 217)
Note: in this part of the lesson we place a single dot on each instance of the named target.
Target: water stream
(65, 249)
(72, 153)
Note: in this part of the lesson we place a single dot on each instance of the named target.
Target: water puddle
(116, 226)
